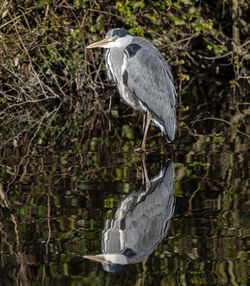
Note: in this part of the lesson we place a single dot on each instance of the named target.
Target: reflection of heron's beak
(97, 258)
(101, 43)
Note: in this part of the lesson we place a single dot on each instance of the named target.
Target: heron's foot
(140, 150)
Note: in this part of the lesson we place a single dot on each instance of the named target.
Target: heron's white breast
(118, 64)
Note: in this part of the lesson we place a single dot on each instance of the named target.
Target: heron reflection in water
(139, 224)
(143, 78)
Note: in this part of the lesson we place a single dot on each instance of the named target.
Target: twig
(227, 122)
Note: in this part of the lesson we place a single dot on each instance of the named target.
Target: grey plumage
(142, 219)
(140, 223)
(143, 78)
(145, 81)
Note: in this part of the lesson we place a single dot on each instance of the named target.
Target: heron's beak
(101, 43)
(97, 258)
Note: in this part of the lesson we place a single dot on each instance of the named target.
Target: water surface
(55, 203)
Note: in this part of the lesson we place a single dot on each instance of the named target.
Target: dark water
(190, 228)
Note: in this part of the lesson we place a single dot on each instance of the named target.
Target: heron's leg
(145, 130)
(145, 179)
(144, 122)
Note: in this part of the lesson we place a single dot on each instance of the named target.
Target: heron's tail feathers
(166, 122)
(169, 138)
(170, 124)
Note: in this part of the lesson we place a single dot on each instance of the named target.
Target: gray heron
(139, 224)
(143, 79)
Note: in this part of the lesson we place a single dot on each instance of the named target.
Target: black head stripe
(128, 252)
(120, 33)
(117, 32)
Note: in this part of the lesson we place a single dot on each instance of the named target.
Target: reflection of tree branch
(189, 212)
(87, 174)
(194, 193)
(48, 223)
(21, 258)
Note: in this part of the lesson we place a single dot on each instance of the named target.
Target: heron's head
(115, 258)
(114, 38)
(110, 262)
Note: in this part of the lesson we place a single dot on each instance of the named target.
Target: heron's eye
(115, 38)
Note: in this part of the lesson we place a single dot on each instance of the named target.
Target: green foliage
(127, 131)
(128, 9)
(81, 3)
(178, 21)
(217, 49)
(47, 78)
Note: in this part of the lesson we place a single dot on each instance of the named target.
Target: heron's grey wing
(148, 77)
(147, 223)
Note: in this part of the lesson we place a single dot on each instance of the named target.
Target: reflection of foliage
(56, 206)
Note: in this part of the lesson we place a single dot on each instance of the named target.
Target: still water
(188, 226)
